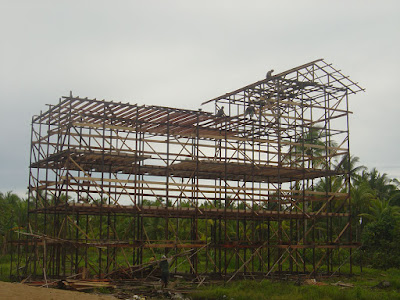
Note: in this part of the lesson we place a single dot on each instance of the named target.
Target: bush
(380, 243)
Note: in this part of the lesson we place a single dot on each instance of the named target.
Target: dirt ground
(18, 291)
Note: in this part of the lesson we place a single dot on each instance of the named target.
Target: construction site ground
(368, 284)
(94, 290)
(18, 291)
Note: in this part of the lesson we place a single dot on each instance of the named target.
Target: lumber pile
(80, 285)
(75, 284)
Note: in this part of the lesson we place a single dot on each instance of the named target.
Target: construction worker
(164, 266)
(269, 74)
(249, 111)
(220, 113)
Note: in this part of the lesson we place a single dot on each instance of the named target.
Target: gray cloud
(180, 53)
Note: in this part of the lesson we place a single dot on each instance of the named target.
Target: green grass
(5, 267)
(266, 289)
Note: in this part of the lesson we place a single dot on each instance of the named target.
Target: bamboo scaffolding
(113, 184)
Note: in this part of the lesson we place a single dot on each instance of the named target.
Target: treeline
(13, 216)
(375, 207)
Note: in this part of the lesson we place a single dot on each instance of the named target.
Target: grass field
(5, 267)
(365, 287)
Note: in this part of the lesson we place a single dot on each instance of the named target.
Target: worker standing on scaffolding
(164, 266)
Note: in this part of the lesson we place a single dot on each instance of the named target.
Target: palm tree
(314, 156)
(395, 192)
(313, 136)
(350, 165)
(361, 196)
(381, 184)
(373, 196)
(381, 208)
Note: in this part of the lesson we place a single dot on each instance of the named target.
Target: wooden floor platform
(184, 212)
(131, 163)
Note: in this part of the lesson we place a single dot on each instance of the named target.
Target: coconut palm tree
(350, 165)
(361, 197)
(380, 208)
(383, 186)
(299, 151)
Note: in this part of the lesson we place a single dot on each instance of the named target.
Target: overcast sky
(181, 53)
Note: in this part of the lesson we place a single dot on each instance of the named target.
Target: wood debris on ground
(123, 289)
(343, 284)
(74, 284)
(313, 281)
(80, 285)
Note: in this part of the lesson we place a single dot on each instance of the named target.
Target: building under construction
(258, 186)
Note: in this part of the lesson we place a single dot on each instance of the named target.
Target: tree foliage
(13, 216)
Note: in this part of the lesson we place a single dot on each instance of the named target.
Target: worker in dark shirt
(220, 113)
(249, 111)
(164, 266)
